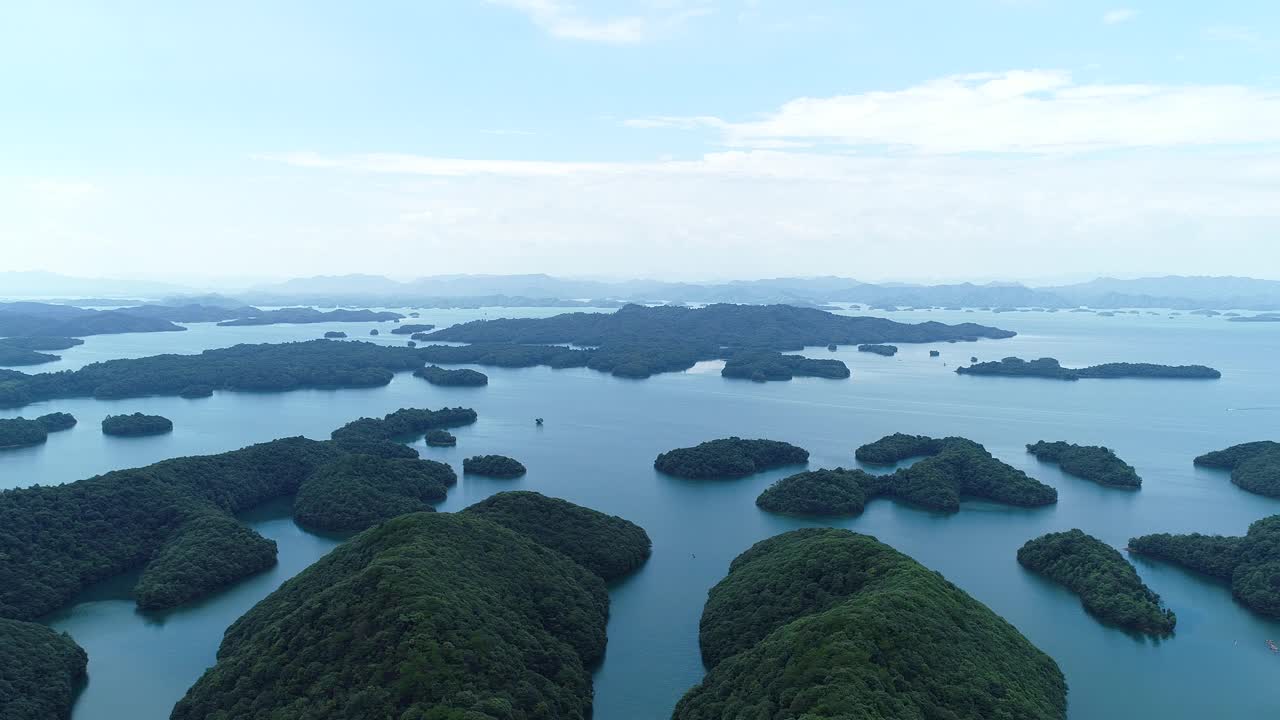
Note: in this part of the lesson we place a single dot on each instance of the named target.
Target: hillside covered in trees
(21, 432)
(766, 365)
(1108, 586)
(494, 466)
(1090, 462)
(355, 492)
(136, 425)
(826, 623)
(33, 319)
(462, 377)
(40, 670)
(1254, 466)
(638, 341)
(1251, 564)
(729, 458)
(1051, 368)
(429, 615)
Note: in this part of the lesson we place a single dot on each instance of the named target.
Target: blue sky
(691, 139)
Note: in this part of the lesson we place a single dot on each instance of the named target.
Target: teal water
(597, 449)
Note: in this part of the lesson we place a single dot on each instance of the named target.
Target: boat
(1271, 644)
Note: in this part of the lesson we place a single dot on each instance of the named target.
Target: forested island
(32, 319)
(1090, 462)
(40, 671)
(358, 491)
(20, 432)
(136, 425)
(16, 351)
(886, 350)
(638, 341)
(412, 328)
(1108, 586)
(334, 335)
(305, 315)
(462, 377)
(1251, 564)
(440, 438)
(488, 613)
(1051, 368)
(264, 367)
(827, 623)
(953, 468)
(766, 365)
(1254, 466)
(19, 357)
(729, 458)
(494, 466)
(174, 519)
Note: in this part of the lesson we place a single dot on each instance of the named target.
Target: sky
(669, 139)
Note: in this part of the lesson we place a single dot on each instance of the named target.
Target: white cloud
(1037, 111)
(563, 19)
(1118, 15)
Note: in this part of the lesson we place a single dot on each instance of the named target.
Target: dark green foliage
(299, 315)
(639, 341)
(1108, 586)
(267, 367)
(209, 552)
(56, 421)
(373, 331)
(411, 328)
(28, 319)
(335, 335)
(136, 425)
(20, 432)
(1254, 466)
(934, 353)
(1251, 563)
(40, 671)
(1090, 462)
(440, 438)
(192, 392)
(729, 458)
(358, 491)
(886, 350)
(606, 545)
(462, 377)
(41, 342)
(818, 492)
(765, 365)
(431, 616)
(1051, 368)
(13, 356)
(404, 424)
(825, 623)
(898, 447)
(496, 466)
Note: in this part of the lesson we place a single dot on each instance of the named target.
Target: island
(1108, 586)
(1255, 319)
(829, 623)
(440, 438)
(410, 329)
(832, 347)
(731, 457)
(501, 594)
(40, 672)
(818, 492)
(194, 392)
(1254, 466)
(56, 421)
(175, 519)
(766, 365)
(20, 432)
(18, 357)
(638, 341)
(462, 377)
(1051, 368)
(33, 319)
(934, 353)
(334, 335)
(494, 466)
(1091, 462)
(885, 350)
(41, 342)
(136, 425)
(305, 315)
(897, 447)
(607, 545)
(373, 331)
(1250, 563)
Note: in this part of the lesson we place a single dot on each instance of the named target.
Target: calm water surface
(597, 449)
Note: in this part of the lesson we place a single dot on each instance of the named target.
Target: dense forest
(897, 447)
(1250, 563)
(607, 545)
(300, 315)
(31, 319)
(405, 424)
(430, 615)
(277, 367)
(41, 342)
(1108, 586)
(886, 350)
(1254, 466)
(136, 425)
(729, 458)
(826, 623)
(1051, 368)
(20, 432)
(411, 328)
(334, 335)
(440, 438)
(462, 377)
(359, 491)
(495, 466)
(40, 671)
(1090, 462)
(639, 341)
(765, 365)
(207, 552)
(17, 357)
(819, 492)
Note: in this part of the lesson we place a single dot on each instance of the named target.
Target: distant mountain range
(1177, 292)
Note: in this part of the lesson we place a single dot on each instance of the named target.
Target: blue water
(602, 433)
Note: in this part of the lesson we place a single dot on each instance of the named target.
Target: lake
(597, 448)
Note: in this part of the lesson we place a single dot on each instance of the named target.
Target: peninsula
(1090, 462)
(1254, 466)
